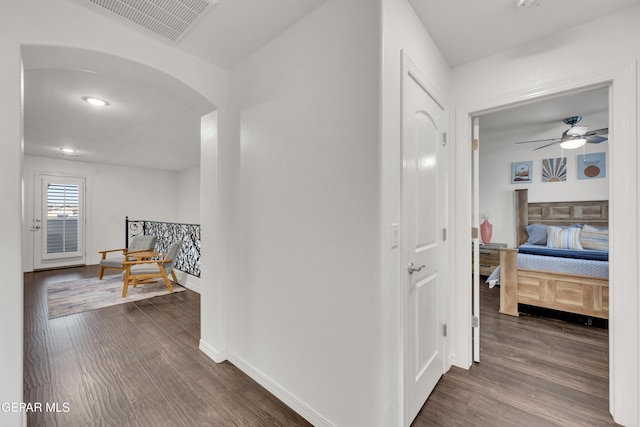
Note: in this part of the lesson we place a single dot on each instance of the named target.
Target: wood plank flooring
(134, 364)
(138, 364)
(533, 371)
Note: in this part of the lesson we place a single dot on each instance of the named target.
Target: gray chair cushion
(144, 269)
(172, 254)
(138, 243)
(142, 242)
(152, 268)
(113, 261)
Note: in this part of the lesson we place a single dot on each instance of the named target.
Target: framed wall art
(592, 165)
(522, 172)
(554, 170)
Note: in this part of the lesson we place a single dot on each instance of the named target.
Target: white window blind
(63, 209)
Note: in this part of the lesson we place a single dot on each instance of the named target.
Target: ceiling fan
(575, 136)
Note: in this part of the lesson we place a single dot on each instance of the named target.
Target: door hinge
(474, 232)
(444, 139)
(444, 330)
(444, 234)
(474, 144)
(475, 322)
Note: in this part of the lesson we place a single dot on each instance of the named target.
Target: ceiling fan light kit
(573, 143)
(577, 130)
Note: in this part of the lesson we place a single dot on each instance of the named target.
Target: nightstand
(490, 257)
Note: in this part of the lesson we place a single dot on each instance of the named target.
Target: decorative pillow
(595, 239)
(537, 234)
(563, 238)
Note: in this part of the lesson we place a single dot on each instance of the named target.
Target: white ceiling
(150, 126)
(153, 121)
(233, 29)
(543, 119)
(466, 30)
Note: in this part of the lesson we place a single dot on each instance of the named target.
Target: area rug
(77, 296)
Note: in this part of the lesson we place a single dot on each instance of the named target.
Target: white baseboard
(188, 281)
(212, 353)
(281, 393)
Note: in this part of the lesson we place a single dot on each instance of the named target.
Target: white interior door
(475, 146)
(423, 208)
(59, 221)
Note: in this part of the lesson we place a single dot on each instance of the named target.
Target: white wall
(188, 196)
(557, 63)
(401, 31)
(30, 22)
(304, 297)
(497, 193)
(113, 192)
(11, 302)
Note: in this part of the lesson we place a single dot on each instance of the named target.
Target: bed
(581, 289)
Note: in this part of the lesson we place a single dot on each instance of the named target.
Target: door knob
(412, 268)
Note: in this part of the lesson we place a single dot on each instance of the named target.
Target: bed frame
(576, 294)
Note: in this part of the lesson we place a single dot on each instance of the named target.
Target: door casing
(32, 258)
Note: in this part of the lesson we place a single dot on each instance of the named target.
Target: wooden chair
(141, 271)
(138, 243)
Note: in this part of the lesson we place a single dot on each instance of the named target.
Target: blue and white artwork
(592, 165)
(521, 172)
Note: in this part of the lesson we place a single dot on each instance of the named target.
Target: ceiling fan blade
(603, 131)
(539, 140)
(547, 145)
(595, 139)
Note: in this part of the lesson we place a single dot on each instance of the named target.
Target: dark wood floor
(533, 371)
(134, 364)
(138, 364)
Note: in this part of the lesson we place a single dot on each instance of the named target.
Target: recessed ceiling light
(68, 150)
(95, 101)
(528, 3)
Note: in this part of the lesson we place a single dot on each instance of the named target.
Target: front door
(423, 211)
(58, 222)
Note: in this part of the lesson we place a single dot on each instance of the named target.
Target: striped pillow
(559, 238)
(594, 239)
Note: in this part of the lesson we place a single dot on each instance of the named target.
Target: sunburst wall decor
(554, 170)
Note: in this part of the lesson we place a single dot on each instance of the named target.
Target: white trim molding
(212, 353)
(301, 407)
(188, 281)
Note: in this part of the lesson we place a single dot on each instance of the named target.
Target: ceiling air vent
(170, 19)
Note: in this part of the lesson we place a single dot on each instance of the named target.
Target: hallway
(134, 364)
(139, 364)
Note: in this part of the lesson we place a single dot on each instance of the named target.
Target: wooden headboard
(592, 212)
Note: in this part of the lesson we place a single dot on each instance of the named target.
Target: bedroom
(527, 138)
(541, 120)
(499, 160)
